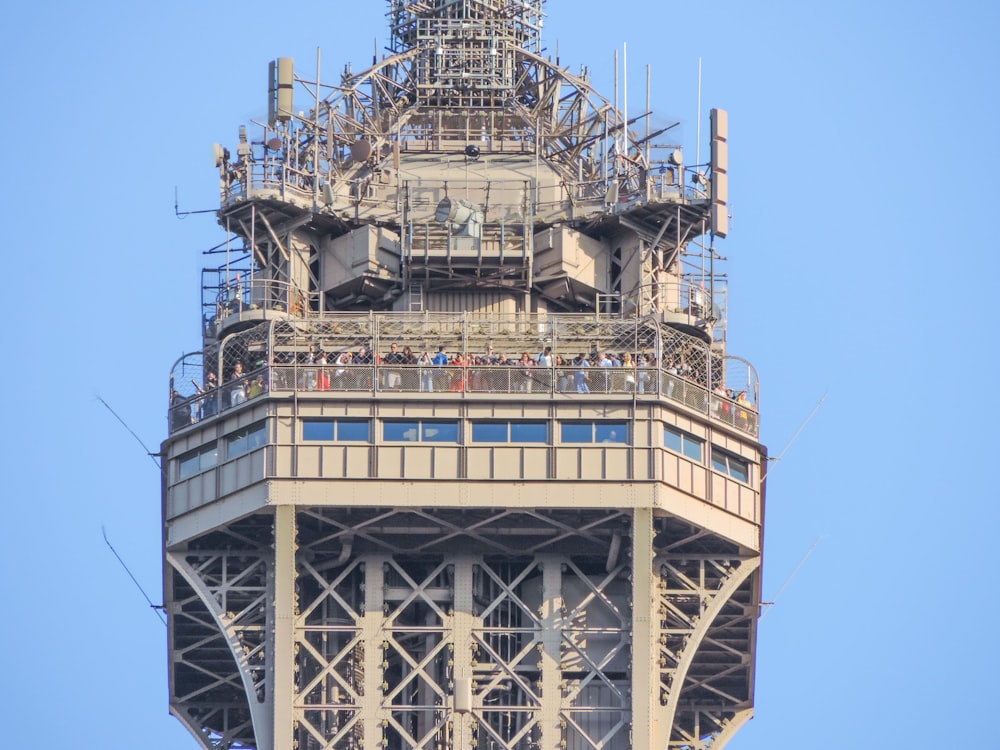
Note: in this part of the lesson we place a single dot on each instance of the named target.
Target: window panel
(489, 432)
(246, 440)
(439, 432)
(611, 432)
(529, 432)
(316, 430)
(353, 430)
(197, 461)
(736, 467)
(576, 432)
(510, 432)
(401, 431)
(683, 442)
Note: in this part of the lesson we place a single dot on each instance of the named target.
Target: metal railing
(341, 353)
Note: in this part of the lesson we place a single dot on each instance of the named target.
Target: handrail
(461, 381)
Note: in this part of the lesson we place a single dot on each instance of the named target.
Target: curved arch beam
(697, 636)
(258, 712)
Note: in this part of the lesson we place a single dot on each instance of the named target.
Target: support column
(283, 688)
(550, 651)
(463, 622)
(646, 730)
(371, 639)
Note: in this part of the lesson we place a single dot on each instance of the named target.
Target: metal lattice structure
(463, 461)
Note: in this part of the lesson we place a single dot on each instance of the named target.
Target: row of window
(235, 444)
(693, 447)
(447, 431)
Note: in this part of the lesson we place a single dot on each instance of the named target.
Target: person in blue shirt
(440, 376)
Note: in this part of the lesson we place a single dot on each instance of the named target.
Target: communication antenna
(697, 143)
(158, 608)
(795, 436)
(152, 456)
(766, 606)
(183, 214)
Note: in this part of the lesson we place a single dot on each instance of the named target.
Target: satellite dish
(274, 144)
(218, 155)
(676, 157)
(361, 150)
(472, 151)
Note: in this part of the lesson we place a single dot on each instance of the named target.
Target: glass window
(683, 442)
(197, 461)
(529, 432)
(316, 430)
(734, 466)
(354, 430)
(577, 432)
(439, 432)
(595, 432)
(343, 430)
(510, 432)
(245, 440)
(401, 431)
(430, 431)
(611, 432)
(489, 432)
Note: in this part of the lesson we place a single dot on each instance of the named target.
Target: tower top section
(423, 23)
(465, 46)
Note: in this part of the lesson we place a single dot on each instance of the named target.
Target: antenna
(795, 571)
(797, 433)
(158, 608)
(152, 456)
(697, 143)
(182, 214)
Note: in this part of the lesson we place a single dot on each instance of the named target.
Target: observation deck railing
(352, 353)
(461, 381)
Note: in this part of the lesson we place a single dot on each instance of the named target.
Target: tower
(463, 461)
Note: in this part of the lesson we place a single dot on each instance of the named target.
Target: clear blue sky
(862, 264)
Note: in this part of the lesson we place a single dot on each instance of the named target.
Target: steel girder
(429, 628)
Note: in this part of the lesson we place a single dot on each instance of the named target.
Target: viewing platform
(464, 356)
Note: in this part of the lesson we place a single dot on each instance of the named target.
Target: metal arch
(697, 635)
(752, 371)
(569, 124)
(731, 728)
(257, 709)
(199, 732)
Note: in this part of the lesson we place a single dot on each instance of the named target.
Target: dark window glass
(529, 432)
(245, 440)
(739, 469)
(197, 461)
(353, 430)
(489, 432)
(318, 430)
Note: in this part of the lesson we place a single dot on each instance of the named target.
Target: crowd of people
(401, 368)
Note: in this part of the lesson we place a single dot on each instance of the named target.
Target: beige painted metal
(465, 192)
(646, 732)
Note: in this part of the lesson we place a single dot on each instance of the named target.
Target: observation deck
(345, 356)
